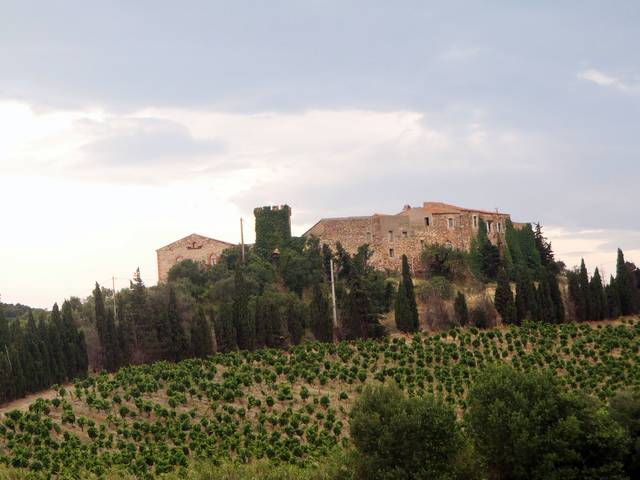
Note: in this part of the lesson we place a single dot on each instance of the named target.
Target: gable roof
(194, 236)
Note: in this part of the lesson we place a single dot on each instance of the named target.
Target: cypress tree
(585, 291)
(504, 299)
(125, 332)
(598, 296)
(225, 329)
(577, 297)
(546, 305)
(70, 342)
(522, 309)
(406, 309)
(613, 299)
(259, 322)
(358, 310)
(180, 343)
(111, 345)
(555, 295)
(145, 339)
(245, 330)
(295, 319)
(320, 315)
(625, 286)
(545, 252)
(101, 319)
(201, 340)
(461, 310)
(59, 367)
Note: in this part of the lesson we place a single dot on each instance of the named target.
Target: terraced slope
(288, 406)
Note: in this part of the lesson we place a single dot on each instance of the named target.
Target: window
(179, 258)
(391, 252)
(499, 227)
(422, 242)
(368, 236)
(450, 222)
(475, 221)
(404, 234)
(213, 259)
(391, 235)
(489, 222)
(427, 221)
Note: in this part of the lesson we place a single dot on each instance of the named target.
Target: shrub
(624, 408)
(483, 314)
(525, 426)
(403, 438)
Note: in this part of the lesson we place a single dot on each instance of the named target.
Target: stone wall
(194, 247)
(391, 236)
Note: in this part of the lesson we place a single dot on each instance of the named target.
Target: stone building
(193, 247)
(407, 232)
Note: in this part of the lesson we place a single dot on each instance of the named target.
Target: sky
(127, 125)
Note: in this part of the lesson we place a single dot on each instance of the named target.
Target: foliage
(526, 427)
(443, 261)
(406, 309)
(624, 408)
(273, 229)
(461, 310)
(504, 299)
(403, 438)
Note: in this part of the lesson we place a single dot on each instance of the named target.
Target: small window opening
(391, 252)
(489, 225)
(475, 221)
(404, 234)
(450, 222)
(391, 235)
(427, 221)
(368, 236)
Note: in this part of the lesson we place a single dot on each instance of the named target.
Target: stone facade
(194, 247)
(391, 236)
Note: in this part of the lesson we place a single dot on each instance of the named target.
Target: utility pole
(115, 309)
(333, 297)
(242, 237)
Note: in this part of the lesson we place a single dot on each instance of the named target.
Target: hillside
(290, 406)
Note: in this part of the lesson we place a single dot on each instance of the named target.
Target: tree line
(37, 354)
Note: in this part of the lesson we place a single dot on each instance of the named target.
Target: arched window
(213, 259)
(179, 258)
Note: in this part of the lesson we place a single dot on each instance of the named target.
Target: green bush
(404, 438)
(525, 426)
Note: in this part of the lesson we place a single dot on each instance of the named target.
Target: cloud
(143, 142)
(605, 80)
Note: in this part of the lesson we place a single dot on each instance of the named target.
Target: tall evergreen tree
(522, 309)
(57, 361)
(626, 291)
(613, 299)
(295, 319)
(144, 327)
(585, 291)
(504, 299)
(546, 305)
(598, 298)
(225, 328)
(101, 317)
(245, 330)
(320, 315)
(460, 309)
(555, 294)
(201, 340)
(545, 252)
(576, 296)
(406, 309)
(111, 346)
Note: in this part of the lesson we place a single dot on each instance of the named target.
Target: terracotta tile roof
(195, 236)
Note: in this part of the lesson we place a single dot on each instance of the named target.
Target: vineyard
(287, 406)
